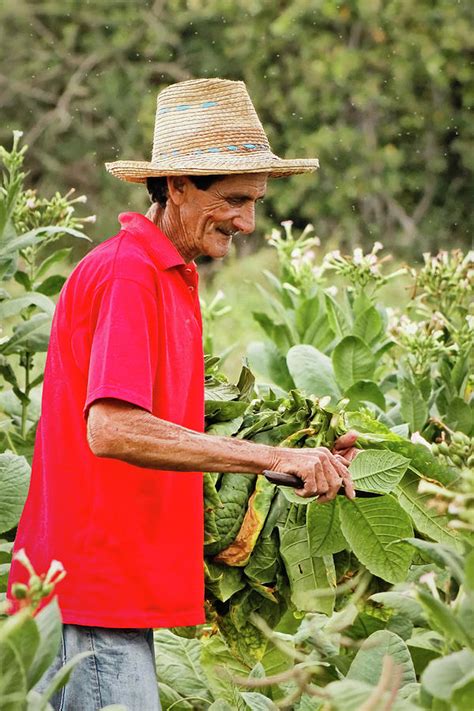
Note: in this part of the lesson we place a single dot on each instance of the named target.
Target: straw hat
(208, 127)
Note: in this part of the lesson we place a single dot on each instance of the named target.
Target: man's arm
(120, 430)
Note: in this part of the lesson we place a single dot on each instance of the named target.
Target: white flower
(331, 290)
(91, 218)
(274, 237)
(317, 272)
(417, 438)
(55, 573)
(430, 580)
(358, 256)
(409, 328)
(377, 247)
(17, 135)
(287, 225)
(31, 203)
(309, 228)
(22, 558)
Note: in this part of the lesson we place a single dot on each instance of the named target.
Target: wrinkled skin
(203, 222)
(323, 471)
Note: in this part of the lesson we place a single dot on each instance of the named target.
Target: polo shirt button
(191, 288)
(188, 270)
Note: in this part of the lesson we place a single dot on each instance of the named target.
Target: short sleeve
(124, 344)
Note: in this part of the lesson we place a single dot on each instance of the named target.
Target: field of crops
(358, 605)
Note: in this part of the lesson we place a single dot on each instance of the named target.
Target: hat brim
(211, 164)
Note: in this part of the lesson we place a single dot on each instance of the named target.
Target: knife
(291, 480)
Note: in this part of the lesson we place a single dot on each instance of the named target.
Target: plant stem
(10, 443)
(24, 405)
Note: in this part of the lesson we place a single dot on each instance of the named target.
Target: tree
(379, 91)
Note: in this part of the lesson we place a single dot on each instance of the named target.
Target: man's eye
(234, 201)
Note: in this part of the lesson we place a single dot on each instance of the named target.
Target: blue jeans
(121, 670)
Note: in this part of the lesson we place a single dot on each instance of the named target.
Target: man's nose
(245, 221)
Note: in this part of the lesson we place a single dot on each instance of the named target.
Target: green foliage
(28, 226)
(368, 662)
(297, 557)
(411, 373)
(392, 660)
(271, 556)
(373, 529)
(379, 471)
(312, 578)
(288, 545)
(14, 483)
(451, 679)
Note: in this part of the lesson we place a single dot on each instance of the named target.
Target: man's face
(210, 218)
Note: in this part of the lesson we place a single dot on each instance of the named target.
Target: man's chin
(220, 247)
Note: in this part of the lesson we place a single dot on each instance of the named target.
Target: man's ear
(177, 186)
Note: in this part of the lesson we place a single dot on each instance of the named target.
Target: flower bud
(47, 590)
(35, 584)
(19, 591)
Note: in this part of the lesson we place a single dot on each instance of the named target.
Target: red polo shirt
(127, 325)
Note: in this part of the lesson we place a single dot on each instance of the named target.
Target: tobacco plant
(29, 229)
(30, 641)
(29, 258)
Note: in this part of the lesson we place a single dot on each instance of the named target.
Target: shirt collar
(157, 244)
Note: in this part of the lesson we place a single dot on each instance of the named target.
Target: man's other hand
(344, 445)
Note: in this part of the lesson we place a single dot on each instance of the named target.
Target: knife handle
(291, 480)
(283, 479)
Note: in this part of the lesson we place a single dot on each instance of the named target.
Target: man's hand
(322, 472)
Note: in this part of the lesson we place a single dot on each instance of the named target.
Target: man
(116, 488)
